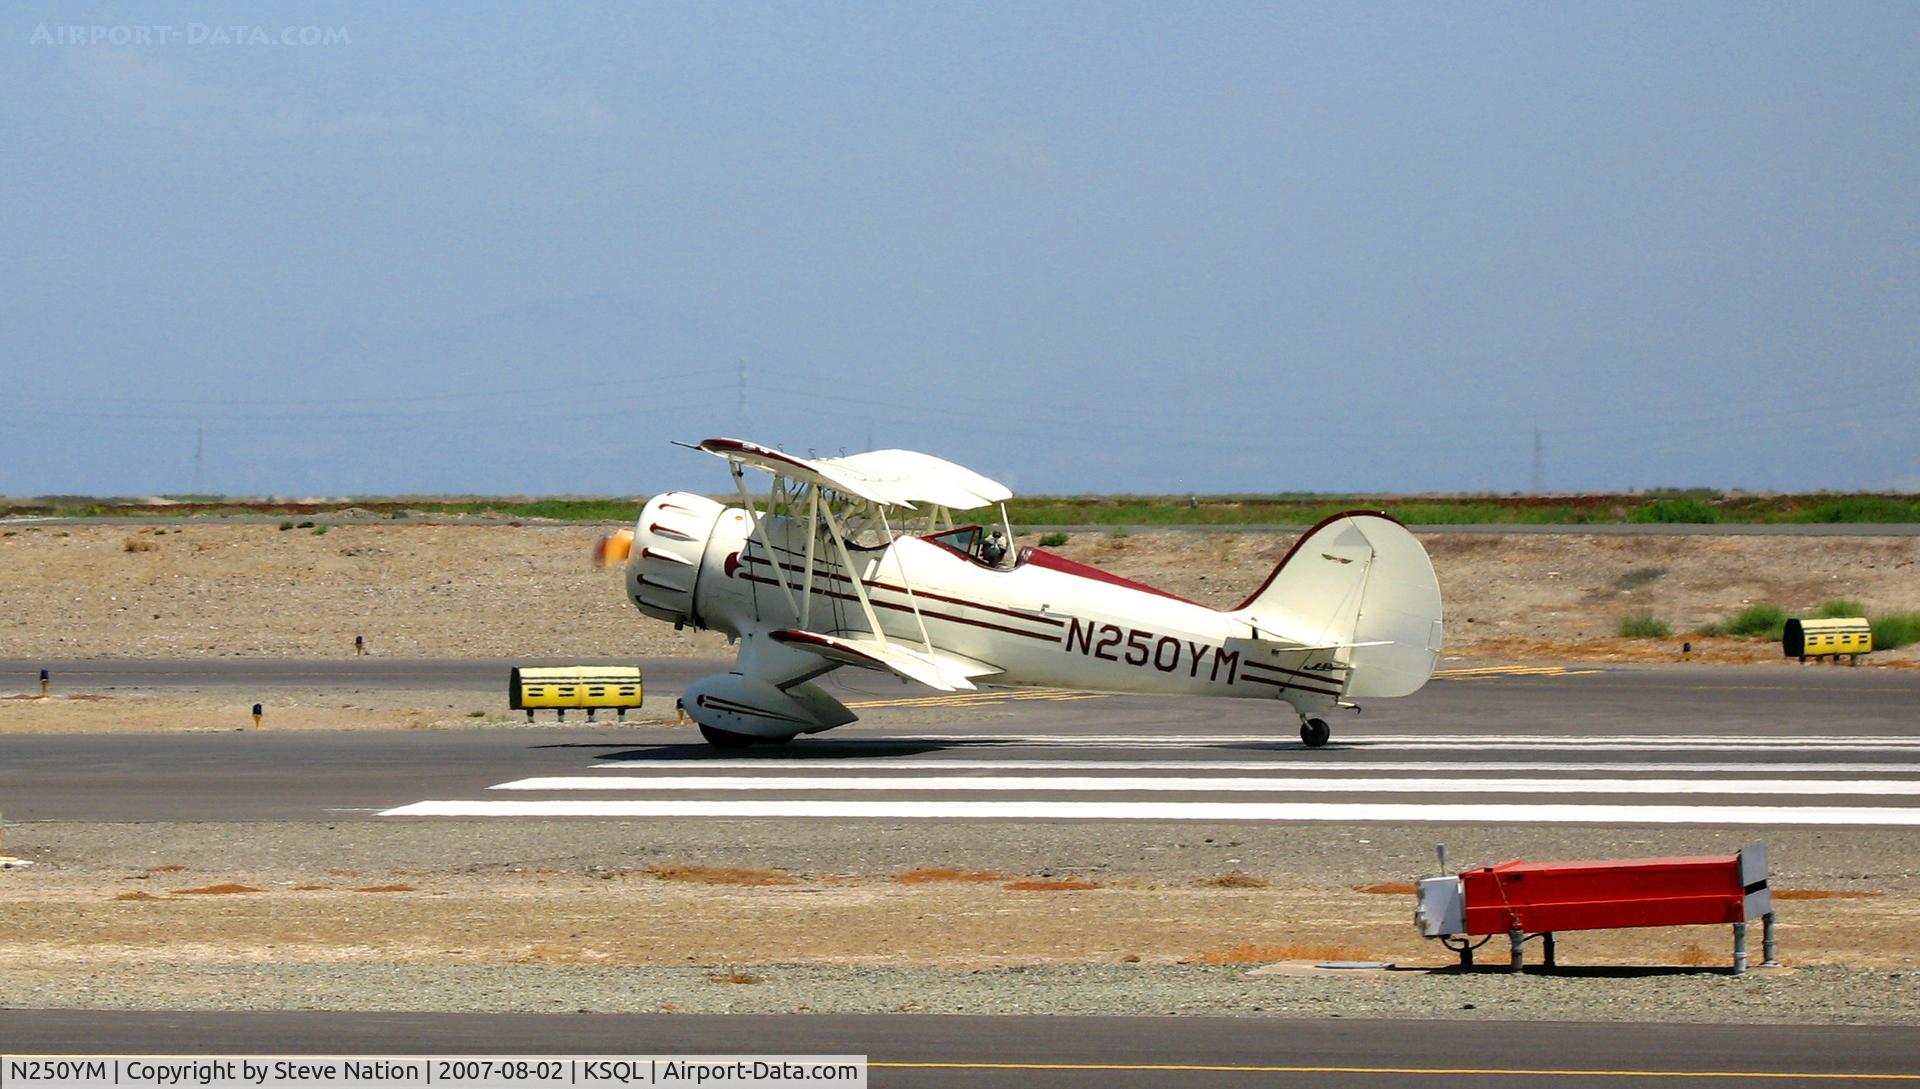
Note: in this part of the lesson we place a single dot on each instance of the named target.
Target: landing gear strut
(1314, 732)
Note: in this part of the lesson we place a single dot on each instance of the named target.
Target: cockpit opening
(988, 547)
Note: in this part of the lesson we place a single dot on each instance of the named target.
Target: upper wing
(941, 670)
(922, 477)
(891, 478)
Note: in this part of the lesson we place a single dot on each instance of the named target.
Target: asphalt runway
(1686, 745)
(924, 1050)
(1674, 746)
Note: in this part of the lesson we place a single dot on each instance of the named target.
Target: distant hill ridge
(1690, 506)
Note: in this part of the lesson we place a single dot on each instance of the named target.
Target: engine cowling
(739, 704)
(669, 543)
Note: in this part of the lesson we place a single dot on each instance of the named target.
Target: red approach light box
(1542, 897)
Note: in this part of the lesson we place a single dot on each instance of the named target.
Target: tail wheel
(725, 739)
(1314, 732)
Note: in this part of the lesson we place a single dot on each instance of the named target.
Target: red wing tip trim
(795, 635)
(715, 446)
(814, 639)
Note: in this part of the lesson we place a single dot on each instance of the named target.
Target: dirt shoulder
(527, 591)
(719, 916)
(213, 710)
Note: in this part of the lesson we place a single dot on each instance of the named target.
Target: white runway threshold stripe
(1346, 812)
(1304, 765)
(1656, 740)
(1416, 742)
(1040, 784)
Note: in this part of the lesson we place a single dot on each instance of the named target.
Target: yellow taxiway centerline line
(1227, 1068)
(1495, 674)
(931, 701)
(1504, 676)
(968, 699)
(972, 699)
(1208, 1068)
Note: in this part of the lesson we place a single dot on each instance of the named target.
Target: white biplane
(856, 561)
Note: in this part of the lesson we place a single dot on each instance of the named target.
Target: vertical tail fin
(1362, 582)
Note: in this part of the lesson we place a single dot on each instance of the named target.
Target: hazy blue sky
(1112, 247)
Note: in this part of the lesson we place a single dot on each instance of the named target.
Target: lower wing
(937, 669)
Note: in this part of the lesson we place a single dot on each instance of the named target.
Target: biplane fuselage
(1045, 620)
(804, 594)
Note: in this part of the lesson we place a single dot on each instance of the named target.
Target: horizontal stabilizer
(1289, 648)
(939, 670)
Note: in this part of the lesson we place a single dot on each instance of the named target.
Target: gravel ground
(1862, 859)
(186, 710)
(521, 591)
(556, 916)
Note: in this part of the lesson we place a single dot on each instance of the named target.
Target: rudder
(1359, 580)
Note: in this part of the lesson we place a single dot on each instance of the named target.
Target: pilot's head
(994, 548)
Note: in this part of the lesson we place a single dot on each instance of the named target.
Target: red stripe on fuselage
(1284, 685)
(1322, 678)
(1049, 561)
(876, 585)
(1045, 637)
